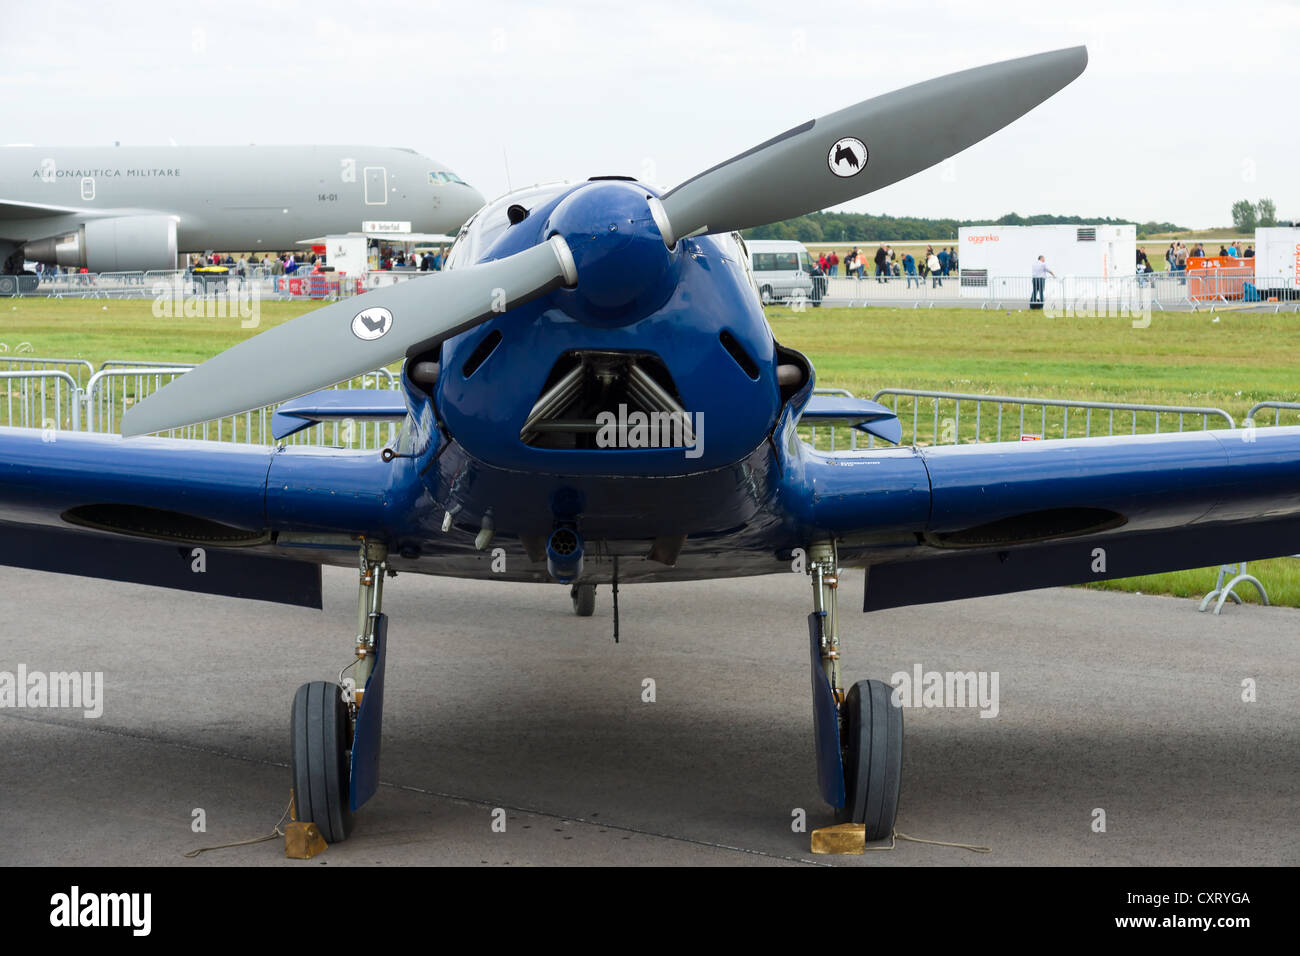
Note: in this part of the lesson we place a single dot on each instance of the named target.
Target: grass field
(1179, 359)
(125, 329)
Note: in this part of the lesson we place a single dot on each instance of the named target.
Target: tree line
(1247, 215)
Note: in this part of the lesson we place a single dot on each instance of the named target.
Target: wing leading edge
(942, 523)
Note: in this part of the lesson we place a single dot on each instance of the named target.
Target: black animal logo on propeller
(372, 324)
(843, 154)
(847, 157)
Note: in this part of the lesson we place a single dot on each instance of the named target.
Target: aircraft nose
(468, 202)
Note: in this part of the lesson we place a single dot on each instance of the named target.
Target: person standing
(818, 276)
(1041, 272)
(833, 260)
(932, 263)
(882, 262)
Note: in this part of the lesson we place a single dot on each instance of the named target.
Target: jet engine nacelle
(124, 244)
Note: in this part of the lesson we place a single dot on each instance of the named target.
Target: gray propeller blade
(349, 338)
(847, 154)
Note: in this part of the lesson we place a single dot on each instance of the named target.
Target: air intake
(584, 388)
(1086, 235)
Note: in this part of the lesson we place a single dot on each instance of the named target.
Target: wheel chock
(302, 841)
(843, 838)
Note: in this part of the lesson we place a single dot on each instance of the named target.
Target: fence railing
(48, 396)
(256, 280)
(79, 369)
(112, 390)
(951, 418)
(1058, 295)
(1027, 418)
(1276, 407)
(49, 399)
(69, 394)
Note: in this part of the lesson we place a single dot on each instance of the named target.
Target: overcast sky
(1184, 108)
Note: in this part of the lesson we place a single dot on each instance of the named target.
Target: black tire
(8, 285)
(584, 599)
(871, 733)
(765, 294)
(320, 762)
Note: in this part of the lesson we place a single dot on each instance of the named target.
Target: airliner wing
(11, 209)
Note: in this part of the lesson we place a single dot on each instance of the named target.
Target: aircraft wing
(192, 515)
(11, 209)
(948, 522)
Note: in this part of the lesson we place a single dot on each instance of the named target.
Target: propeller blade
(857, 150)
(349, 338)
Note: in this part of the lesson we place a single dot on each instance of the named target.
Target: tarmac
(1113, 710)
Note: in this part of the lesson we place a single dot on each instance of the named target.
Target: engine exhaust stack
(564, 555)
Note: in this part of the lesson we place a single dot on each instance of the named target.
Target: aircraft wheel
(871, 734)
(584, 599)
(765, 294)
(320, 759)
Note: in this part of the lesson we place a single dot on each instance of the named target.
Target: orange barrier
(1218, 277)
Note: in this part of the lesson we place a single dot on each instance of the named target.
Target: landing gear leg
(334, 730)
(859, 733)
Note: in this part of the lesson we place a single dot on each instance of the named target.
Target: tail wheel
(321, 759)
(872, 737)
(765, 294)
(584, 599)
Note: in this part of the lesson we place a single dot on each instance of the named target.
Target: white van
(782, 269)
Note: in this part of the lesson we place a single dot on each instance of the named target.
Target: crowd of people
(1177, 254)
(282, 263)
(887, 264)
(431, 261)
(287, 263)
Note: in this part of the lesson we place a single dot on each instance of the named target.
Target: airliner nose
(467, 202)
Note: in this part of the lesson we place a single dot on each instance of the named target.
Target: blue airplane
(591, 395)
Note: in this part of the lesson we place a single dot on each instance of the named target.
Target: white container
(1002, 258)
(1277, 258)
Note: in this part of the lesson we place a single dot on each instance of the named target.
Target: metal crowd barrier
(993, 424)
(1060, 294)
(1277, 407)
(79, 369)
(49, 399)
(1063, 295)
(994, 418)
(120, 384)
(302, 284)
